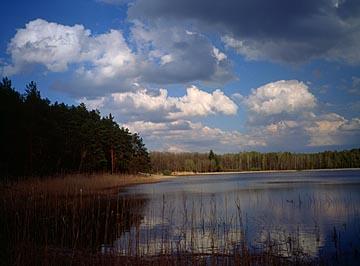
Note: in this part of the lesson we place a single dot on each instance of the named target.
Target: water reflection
(309, 213)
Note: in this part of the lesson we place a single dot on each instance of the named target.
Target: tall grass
(41, 220)
(76, 184)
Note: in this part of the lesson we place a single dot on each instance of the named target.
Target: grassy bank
(76, 184)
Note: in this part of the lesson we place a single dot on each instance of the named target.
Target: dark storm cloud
(349, 8)
(183, 67)
(248, 17)
(174, 55)
(282, 30)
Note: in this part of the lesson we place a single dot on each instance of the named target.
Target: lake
(312, 214)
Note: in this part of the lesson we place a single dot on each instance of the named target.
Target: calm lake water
(311, 213)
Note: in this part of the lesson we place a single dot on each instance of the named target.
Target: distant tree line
(40, 138)
(253, 161)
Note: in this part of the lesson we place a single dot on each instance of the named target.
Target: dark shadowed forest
(41, 138)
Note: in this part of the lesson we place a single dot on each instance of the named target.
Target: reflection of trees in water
(34, 227)
(124, 213)
(130, 216)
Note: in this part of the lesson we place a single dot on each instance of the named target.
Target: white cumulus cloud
(100, 60)
(188, 136)
(50, 44)
(332, 129)
(109, 62)
(200, 103)
(284, 96)
(159, 106)
(218, 54)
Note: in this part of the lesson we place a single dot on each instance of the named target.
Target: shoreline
(177, 174)
(82, 184)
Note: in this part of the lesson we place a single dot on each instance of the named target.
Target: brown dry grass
(85, 184)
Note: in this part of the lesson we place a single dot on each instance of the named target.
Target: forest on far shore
(165, 162)
(38, 138)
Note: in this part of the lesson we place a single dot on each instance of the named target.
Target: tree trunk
(112, 160)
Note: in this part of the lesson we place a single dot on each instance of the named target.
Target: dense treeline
(247, 161)
(40, 138)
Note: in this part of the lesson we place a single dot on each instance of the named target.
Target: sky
(197, 75)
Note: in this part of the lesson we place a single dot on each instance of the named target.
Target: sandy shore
(262, 171)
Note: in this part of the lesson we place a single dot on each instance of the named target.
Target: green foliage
(214, 162)
(254, 161)
(166, 172)
(211, 155)
(40, 138)
(189, 165)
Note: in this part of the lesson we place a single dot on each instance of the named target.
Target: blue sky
(194, 76)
